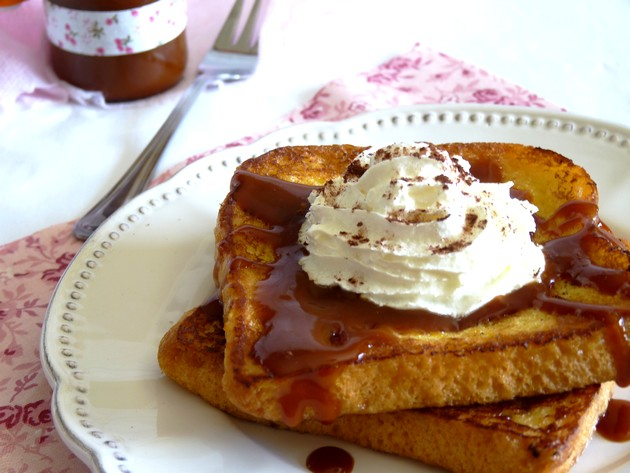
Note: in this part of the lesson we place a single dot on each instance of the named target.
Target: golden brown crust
(312, 165)
(532, 352)
(548, 177)
(543, 434)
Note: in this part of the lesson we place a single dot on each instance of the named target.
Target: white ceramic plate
(153, 260)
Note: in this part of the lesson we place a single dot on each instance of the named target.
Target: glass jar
(126, 49)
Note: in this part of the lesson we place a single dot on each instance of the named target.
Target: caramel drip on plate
(614, 425)
(330, 459)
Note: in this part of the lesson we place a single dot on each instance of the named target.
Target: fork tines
(247, 41)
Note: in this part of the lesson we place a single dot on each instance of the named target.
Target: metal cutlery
(230, 59)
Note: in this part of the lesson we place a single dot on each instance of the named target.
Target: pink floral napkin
(30, 267)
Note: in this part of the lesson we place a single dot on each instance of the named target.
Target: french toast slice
(541, 434)
(572, 337)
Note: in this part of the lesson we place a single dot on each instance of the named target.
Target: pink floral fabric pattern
(30, 268)
(421, 76)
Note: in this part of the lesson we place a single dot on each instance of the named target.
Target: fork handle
(135, 179)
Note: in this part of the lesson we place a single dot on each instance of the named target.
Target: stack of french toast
(518, 387)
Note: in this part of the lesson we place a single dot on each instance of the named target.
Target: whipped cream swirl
(407, 226)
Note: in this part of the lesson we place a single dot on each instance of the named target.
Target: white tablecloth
(58, 158)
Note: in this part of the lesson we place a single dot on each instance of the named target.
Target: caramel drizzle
(308, 327)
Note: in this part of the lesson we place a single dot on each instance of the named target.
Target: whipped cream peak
(408, 226)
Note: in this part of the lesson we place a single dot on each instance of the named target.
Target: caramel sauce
(310, 329)
(330, 460)
(615, 423)
(270, 199)
(212, 307)
(126, 77)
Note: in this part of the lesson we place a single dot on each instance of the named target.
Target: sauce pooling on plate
(615, 423)
(330, 460)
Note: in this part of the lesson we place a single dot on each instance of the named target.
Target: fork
(230, 59)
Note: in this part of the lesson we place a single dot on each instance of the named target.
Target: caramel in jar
(126, 49)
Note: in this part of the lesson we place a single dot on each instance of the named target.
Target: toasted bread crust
(529, 353)
(548, 177)
(543, 434)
